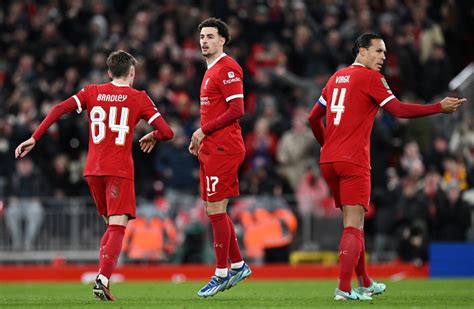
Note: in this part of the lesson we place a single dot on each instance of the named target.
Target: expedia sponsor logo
(205, 101)
(111, 97)
(232, 80)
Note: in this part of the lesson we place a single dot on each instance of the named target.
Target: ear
(222, 40)
(110, 74)
(131, 72)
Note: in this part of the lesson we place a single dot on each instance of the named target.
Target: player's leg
(119, 196)
(239, 270)
(97, 188)
(366, 285)
(216, 211)
(350, 244)
(219, 181)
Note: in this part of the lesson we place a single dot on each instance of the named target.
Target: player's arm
(316, 121)
(56, 112)
(230, 116)
(407, 110)
(380, 92)
(162, 132)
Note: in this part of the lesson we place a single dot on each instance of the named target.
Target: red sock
(349, 252)
(221, 232)
(234, 250)
(360, 269)
(103, 241)
(110, 253)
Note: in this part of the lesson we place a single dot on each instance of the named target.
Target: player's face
(374, 56)
(211, 42)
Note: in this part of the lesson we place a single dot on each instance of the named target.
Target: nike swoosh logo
(211, 194)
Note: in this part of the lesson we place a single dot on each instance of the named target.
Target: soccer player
(350, 100)
(220, 149)
(113, 109)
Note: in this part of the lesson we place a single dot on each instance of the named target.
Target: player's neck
(357, 61)
(121, 82)
(214, 58)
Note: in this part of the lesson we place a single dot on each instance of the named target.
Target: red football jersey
(352, 97)
(222, 82)
(113, 112)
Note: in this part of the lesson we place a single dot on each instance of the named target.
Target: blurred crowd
(422, 169)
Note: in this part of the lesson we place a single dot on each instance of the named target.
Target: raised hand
(450, 105)
(147, 143)
(24, 148)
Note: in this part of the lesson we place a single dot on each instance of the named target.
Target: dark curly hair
(222, 28)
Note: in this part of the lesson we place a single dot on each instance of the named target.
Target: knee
(13, 212)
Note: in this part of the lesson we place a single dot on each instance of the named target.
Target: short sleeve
(149, 112)
(379, 90)
(81, 99)
(230, 82)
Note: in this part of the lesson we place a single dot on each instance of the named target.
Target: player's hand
(24, 148)
(450, 105)
(147, 143)
(192, 149)
(197, 138)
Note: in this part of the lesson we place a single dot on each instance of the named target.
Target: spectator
(178, 170)
(26, 187)
(296, 150)
(453, 217)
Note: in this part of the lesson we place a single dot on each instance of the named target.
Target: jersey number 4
(98, 126)
(339, 107)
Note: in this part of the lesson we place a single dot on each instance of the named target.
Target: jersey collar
(119, 85)
(359, 64)
(215, 61)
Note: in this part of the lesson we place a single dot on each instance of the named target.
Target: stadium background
(422, 169)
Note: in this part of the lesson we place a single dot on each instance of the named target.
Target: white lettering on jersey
(342, 79)
(232, 80)
(205, 101)
(111, 97)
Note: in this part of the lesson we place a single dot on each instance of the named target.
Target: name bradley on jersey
(111, 97)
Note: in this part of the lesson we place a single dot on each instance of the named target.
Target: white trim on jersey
(79, 107)
(387, 100)
(235, 96)
(360, 64)
(152, 118)
(119, 85)
(215, 61)
(322, 101)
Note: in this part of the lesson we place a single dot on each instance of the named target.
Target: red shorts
(219, 176)
(113, 195)
(349, 183)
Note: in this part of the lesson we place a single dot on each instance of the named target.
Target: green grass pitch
(248, 294)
